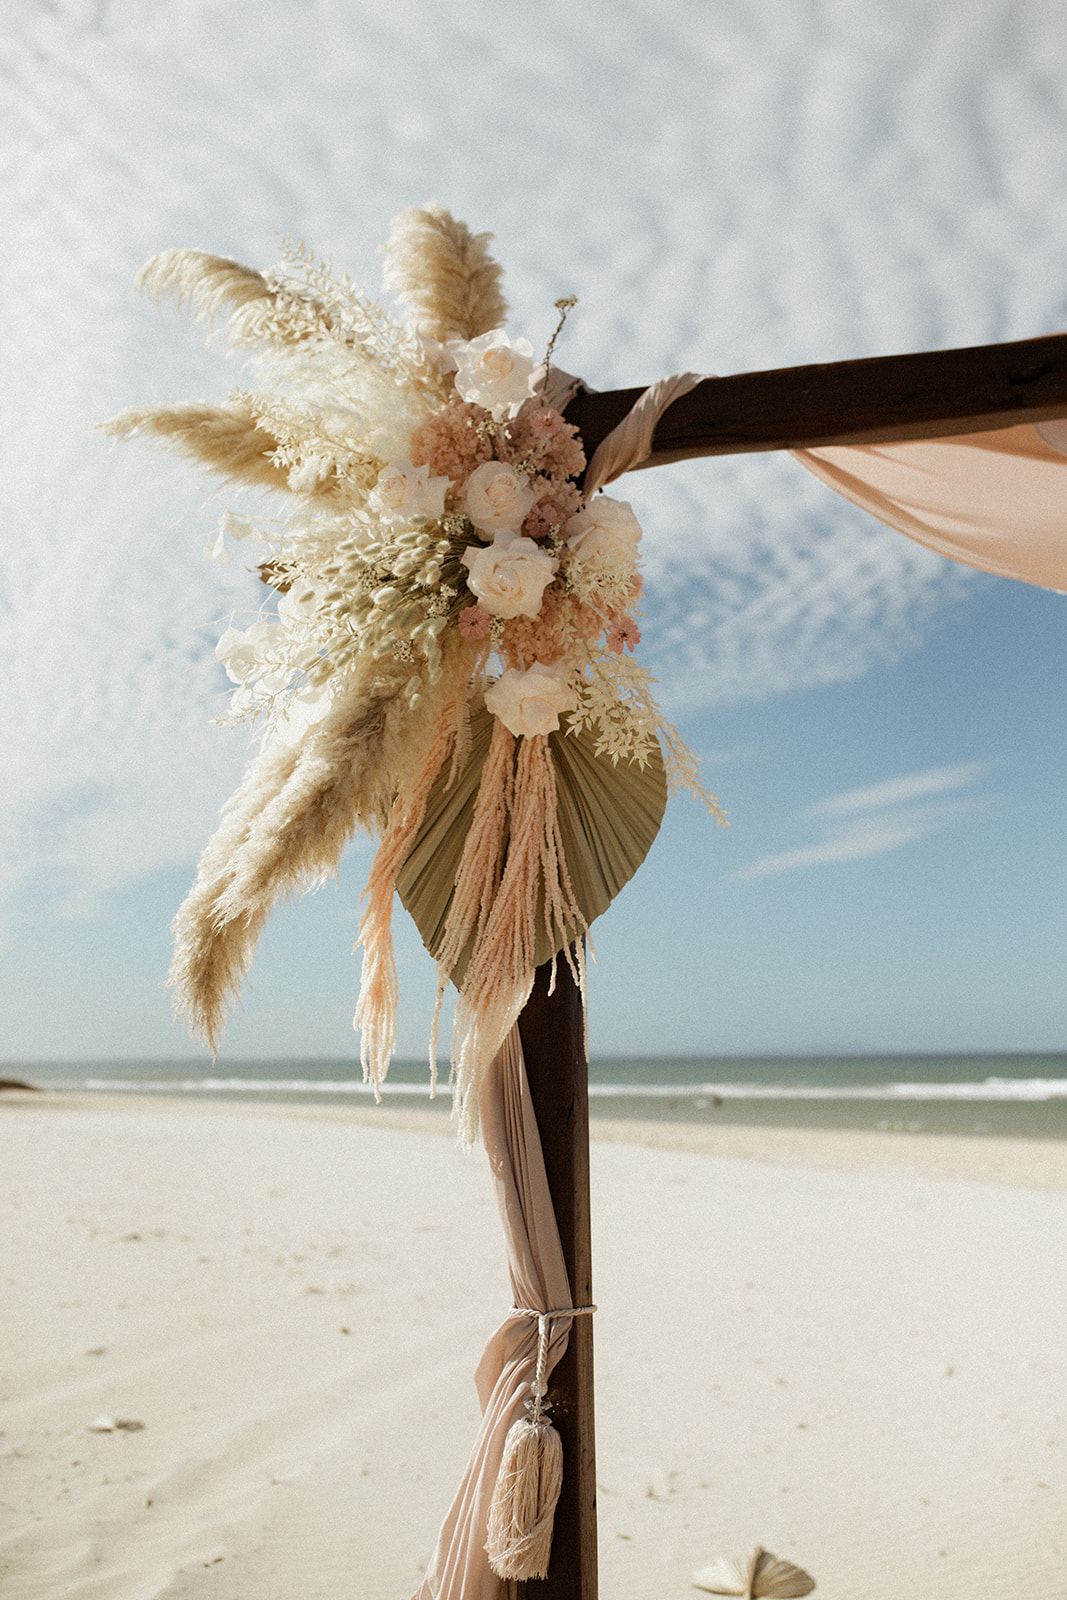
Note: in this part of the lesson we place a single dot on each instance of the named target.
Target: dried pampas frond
(534, 902)
(443, 274)
(211, 956)
(205, 283)
(282, 832)
(228, 439)
(285, 829)
(756, 1574)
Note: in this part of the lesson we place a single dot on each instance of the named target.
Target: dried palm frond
(228, 439)
(443, 274)
(754, 1575)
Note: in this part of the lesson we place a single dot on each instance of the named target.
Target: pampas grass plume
(225, 438)
(205, 283)
(443, 274)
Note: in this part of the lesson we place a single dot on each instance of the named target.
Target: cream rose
(244, 652)
(404, 492)
(530, 702)
(496, 497)
(509, 577)
(606, 528)
(494, 371)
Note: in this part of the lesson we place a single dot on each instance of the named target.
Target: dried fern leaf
(337, 312)
(205, 283)
(227, 439)
(443, 274)
(757, 1574)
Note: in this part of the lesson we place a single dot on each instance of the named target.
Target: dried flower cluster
(439, 558)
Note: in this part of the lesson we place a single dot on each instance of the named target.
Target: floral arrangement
(448, 659)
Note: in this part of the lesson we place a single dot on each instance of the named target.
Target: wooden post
(552, 1028)
(879, 400)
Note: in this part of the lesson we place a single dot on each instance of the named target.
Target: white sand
(849, 1348)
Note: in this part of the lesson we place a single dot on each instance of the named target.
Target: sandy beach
(845, 1346)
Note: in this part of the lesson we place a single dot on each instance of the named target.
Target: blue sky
(726, 187)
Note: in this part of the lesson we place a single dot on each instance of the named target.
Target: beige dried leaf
(756, 1574)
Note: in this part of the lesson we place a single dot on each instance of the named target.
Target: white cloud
(770, 187)
(899, 791)
(876, 819)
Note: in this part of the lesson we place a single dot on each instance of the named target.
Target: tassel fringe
(523, 1507)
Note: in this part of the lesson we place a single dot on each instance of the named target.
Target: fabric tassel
(523, 1506)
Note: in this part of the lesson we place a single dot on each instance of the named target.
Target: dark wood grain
(553, 1042)
(877, 400)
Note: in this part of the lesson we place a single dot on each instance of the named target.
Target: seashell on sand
(756, 1574)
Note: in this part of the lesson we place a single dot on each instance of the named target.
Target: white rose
(494, 371)
(530, 702)
(244, 651)
(404, 492)
(496, 497)
(509, 577)
(605, 528)
(262, 658)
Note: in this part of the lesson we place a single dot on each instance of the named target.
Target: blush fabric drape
(460, 1568)
(995, 500)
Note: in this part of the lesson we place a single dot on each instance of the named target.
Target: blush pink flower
(540, 436)
(624, 634)
(449, 440)
(473, 622)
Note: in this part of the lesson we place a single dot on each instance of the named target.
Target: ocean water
(1021, 1095)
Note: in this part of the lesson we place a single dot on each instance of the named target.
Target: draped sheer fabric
(460, 1568)
(995, 500)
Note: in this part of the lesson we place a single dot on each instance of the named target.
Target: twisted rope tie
(545, 1319)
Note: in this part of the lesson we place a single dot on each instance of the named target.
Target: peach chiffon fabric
(995, 500)
(460, 1568)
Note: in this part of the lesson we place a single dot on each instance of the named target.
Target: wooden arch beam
(878, 400)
